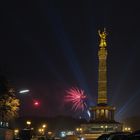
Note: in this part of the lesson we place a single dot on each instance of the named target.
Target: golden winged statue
(102, 35)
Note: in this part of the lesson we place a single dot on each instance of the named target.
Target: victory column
(102, 115)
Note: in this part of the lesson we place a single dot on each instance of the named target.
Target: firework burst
(77, 98)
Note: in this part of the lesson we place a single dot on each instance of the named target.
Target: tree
(9, 104)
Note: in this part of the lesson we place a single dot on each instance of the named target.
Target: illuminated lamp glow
(63, 134)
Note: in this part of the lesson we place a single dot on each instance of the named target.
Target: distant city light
(63, 134)
(24, 91)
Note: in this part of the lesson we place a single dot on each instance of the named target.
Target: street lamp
(44, 125)
(28, 123)
(16, 132)
(102, 126)
(41, 131)
(79, 131)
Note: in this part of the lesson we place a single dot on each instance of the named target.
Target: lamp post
(16, 133)
(79, 131)
(44, 128)
(41, 131)
(28, 123)
(44, 125)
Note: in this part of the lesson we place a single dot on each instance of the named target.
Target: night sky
(51, 46)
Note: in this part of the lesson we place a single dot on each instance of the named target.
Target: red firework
(76, 97)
